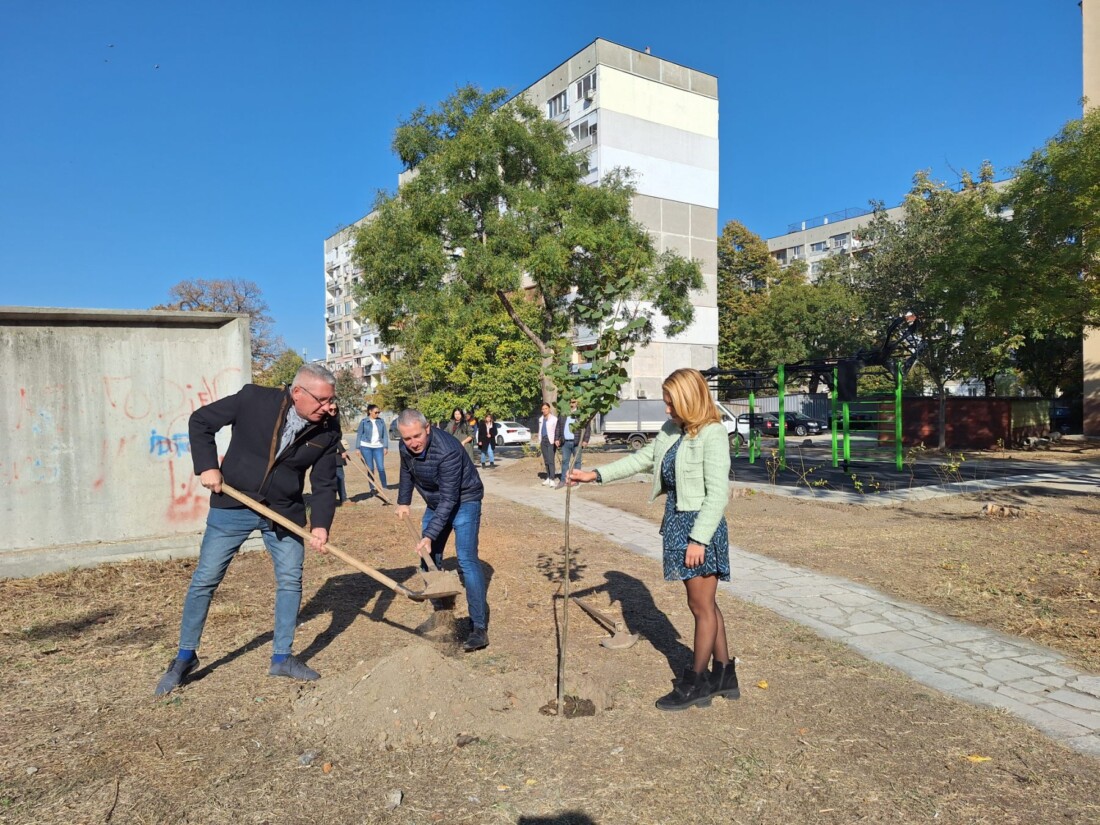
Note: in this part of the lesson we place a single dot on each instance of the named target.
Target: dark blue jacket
(258, 415)
(443, 474)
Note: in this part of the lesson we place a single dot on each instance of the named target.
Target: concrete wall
(96, 462)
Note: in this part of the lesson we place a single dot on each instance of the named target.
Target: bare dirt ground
(406, 729)
(1031, 568)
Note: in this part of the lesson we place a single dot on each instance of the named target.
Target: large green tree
(1055, 206)
(496, 208)
(467, 355)
(769, 315)
(352, 395)
(947, 260)
(282, 370)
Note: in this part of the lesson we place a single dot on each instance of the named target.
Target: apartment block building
(350, 343)
(624, 108)
(629, 109)
(815, 239)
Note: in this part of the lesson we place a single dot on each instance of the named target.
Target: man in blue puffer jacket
(437, 465)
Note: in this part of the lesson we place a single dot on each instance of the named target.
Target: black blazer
(258, 416)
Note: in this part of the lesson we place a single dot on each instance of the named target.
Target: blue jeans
(568, 448)
(488, 451)
(375, 459)
(466, 525)
(341, 485)
(226, 531)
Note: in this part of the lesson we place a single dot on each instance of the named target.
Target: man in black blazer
(278, 434)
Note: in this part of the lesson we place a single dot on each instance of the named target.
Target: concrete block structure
(96, 462)
(630, 109)
(350, 342)
(815, 239)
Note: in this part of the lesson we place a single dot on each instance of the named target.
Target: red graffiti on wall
(188, 501)
(167, 410)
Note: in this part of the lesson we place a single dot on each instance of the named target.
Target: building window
(815, 268)
(585, 85)
(559, 104)
(584, 130)
(796, 252)
(820, 246)
(840, 241)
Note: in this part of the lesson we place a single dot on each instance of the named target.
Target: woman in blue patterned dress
(690, 461)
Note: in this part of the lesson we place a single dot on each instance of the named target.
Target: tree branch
(543, 349)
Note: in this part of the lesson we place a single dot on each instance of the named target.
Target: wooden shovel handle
(263, 510)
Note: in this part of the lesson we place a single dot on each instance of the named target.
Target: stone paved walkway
(973, 663)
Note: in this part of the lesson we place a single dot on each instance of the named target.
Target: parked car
(512, 432)
(800, 424)
(767, 424)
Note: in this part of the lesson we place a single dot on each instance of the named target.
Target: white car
(511, 432)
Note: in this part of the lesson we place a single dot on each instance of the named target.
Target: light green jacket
(702, 473)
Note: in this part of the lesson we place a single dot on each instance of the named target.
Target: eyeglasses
(323, 402)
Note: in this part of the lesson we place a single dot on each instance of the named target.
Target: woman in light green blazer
(690, 461)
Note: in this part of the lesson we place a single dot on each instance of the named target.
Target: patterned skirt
(676, 530)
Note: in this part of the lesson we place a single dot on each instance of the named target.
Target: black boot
(723, 680)
(692, 689)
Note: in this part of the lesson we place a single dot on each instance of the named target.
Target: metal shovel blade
(619, 639)
(438, 584)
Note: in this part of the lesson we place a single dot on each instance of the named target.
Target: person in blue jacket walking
(373, 443)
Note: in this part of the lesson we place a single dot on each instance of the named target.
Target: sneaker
(478, 639)
(178, 670)
(492, 465)
(292, 668)
(483, 465)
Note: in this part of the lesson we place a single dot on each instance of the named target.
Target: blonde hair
(690, 397)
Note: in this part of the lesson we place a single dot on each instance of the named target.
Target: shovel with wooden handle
(373, 479)
(619, 639)
(441, 586)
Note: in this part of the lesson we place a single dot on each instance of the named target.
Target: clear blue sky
(267, 125)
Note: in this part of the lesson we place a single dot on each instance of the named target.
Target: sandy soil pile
(417, 696)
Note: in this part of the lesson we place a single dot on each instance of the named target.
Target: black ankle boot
(692, 689)
(723, 680)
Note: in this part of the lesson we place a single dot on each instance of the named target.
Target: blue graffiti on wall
(175, 444)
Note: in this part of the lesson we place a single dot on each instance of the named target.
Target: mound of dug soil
(419, 697)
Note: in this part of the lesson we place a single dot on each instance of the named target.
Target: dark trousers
(548, 451)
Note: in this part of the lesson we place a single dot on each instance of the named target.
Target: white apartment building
(625, 108)
(815, 239)
(629, 109)
(349, 342)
